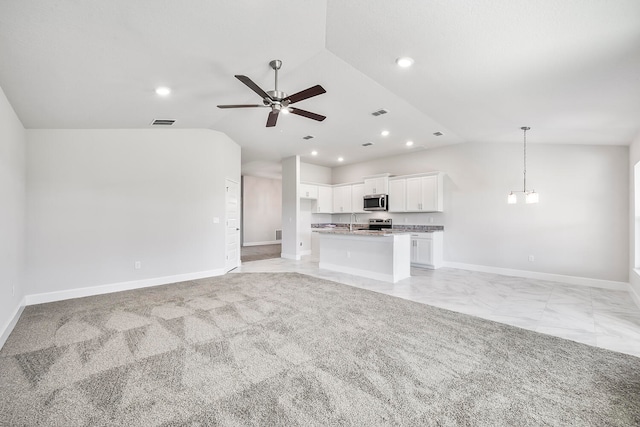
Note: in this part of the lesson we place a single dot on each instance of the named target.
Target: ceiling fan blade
(307, 93)
(273, 118)
(307, 114)
(254, 87)
(241, 106)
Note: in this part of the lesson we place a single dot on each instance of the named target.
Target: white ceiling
(569, 69)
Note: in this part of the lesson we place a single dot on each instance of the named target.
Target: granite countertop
(343, 230)
(397, 229)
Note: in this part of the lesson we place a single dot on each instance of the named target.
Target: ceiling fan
(279, 101)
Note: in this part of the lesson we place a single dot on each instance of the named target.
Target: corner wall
(634, 276)
(12, 216)
(101, 200)
(580, 228)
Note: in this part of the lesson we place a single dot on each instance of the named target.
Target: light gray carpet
(287, 349)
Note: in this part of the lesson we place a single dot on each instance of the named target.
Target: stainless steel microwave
(376, 202)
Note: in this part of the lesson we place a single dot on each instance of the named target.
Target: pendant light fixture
(529, 196)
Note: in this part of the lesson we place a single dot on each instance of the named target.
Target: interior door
(232, 233)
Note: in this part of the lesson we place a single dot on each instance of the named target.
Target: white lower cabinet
(426, 249)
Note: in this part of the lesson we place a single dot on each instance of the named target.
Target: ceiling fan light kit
(277, 100)
(529, 196)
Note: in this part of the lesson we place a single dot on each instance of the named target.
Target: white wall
(100, 200)
(12, 215)
(634, 277)
(261, 209)
(579, 228)
(314, 173)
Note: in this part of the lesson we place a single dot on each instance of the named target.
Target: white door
(232, 232)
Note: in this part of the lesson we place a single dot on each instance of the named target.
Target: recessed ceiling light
(340, 159)
(384, 133)
(404, 62)
(314, 153)
(409, 143)
(163, 91)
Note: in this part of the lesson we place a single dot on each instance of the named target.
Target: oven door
(375, 202)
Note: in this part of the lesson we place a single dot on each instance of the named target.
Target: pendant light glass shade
(529, 196)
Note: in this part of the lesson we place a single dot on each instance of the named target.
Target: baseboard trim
(571, 280)
(357, 272)
(8, 327)
(290, 256)
(118, 287)
(272, 242)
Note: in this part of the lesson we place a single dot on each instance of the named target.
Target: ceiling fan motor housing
(276, 97)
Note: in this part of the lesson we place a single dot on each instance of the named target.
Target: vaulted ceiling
(569, 69)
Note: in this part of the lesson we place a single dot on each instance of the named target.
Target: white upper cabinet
(424, 193)
(376, 184)
(325, 199)
(308, 191)
(397, 195)
(409, 193)
(357, 198)
(342, 199)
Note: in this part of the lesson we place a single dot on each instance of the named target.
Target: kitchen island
(380, 255)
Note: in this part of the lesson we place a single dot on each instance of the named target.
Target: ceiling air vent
(380, 112)
(438, 133)
(162, 122)
(308, 137)
(367, 144)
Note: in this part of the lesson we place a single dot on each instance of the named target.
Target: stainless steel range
(380, 224)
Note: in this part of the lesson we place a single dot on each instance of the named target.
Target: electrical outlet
(138, 265)
(431, 219)
(348, 254)
(531, 258)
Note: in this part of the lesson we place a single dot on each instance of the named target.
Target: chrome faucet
(353, 215)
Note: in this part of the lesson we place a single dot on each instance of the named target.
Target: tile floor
(594, 316)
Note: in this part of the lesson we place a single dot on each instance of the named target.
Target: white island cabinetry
(379, 256)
